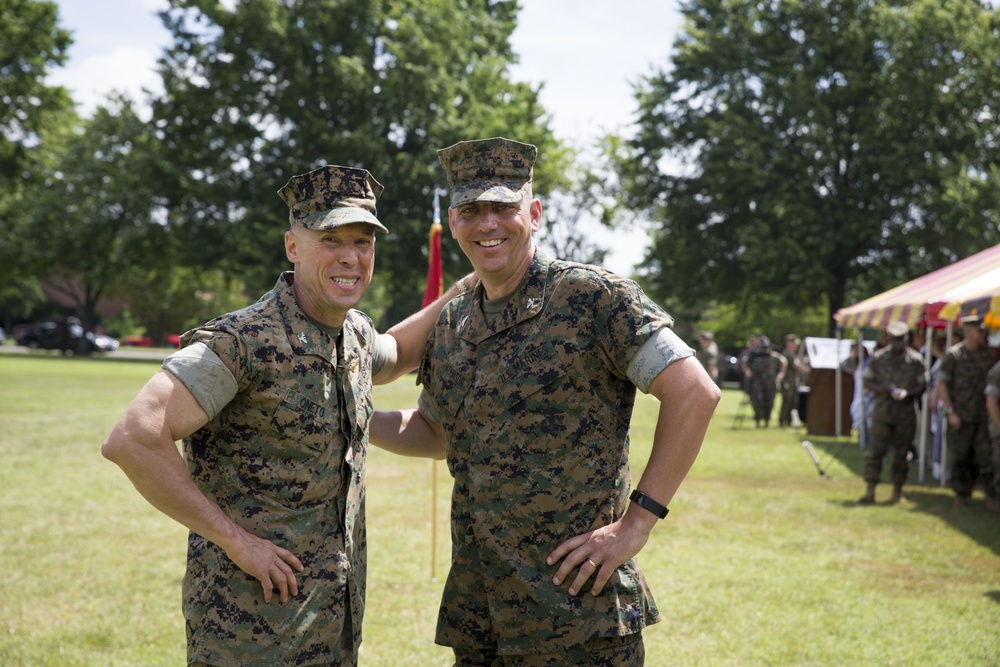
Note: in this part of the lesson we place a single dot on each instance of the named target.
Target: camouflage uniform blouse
(285, 459)
(906, 371)
(964, 373)
(536, 409)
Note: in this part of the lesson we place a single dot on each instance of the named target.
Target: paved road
(121, 354)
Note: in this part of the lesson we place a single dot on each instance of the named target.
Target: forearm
(411, 334)
(407, 433)
(143, 445)
(993, 409)
(162, 478)
(688, 399)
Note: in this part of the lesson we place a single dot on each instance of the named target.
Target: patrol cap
(897, 329)
(493, 170)
(706, 335)
(974, 320)
(332, 196)
(792, 338)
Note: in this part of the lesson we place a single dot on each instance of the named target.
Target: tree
(267, 89)
(31, 44)
(820, 148)
(587, 195)
(95, 219)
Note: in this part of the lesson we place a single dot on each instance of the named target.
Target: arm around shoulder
(407, 433)
(411, 334)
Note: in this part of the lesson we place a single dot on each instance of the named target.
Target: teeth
(344, 281)
(491, 244)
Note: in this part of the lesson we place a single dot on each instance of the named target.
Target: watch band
(648, 504)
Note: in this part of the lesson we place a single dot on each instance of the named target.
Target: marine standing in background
(961, 392)
(896, 377)
(790, 381)
(708, 355)
(993, 412)
(763, 368)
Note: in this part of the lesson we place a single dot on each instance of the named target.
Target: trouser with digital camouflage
(971, 457)
(881, 438)
(628, 651)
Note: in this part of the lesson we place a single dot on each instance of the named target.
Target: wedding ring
(592, 563)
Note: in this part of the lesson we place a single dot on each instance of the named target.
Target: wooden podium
(821, 411)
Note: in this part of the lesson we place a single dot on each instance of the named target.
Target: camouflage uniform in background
(993, 389)
(790, 382)
(893, 423)
(708, 356)
(964, 373)
(286, 460)
(536, 407)
(764, 364)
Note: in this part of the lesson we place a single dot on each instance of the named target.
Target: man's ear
(291, 247)
(535, 211)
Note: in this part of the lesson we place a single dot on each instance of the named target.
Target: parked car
(729, 369)
(52, 335)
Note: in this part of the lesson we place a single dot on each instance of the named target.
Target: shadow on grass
(975, 521)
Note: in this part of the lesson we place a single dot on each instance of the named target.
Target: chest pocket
(522, 382)
(306, 421)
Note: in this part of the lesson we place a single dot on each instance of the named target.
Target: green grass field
(761, 561)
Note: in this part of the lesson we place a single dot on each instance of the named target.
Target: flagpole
(434, 288)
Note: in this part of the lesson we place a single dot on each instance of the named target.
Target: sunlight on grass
(761, 561)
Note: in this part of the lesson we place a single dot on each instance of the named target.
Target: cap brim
(338, 217)
(505, 192)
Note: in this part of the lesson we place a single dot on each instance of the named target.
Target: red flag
(435, 273)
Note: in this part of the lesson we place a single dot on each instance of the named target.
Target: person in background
(795, 368)
(763, 369)
(708, 355)
(992, 391)
(961, 392)
(273, 404)
(895, 377)
(531, 380)
(861, 401)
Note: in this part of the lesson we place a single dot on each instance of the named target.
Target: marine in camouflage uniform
(896, 378)
(789, 382)
(273, 403)
(962, 375)
(993, 412)
(708, 355)
(531, 379)
(761, 367)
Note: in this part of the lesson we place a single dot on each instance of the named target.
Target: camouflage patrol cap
(495, 170)
(897, 329)
(332, 196)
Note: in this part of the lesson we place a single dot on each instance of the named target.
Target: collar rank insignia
(302, 338)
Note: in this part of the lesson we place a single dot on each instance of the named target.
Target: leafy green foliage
(828, 148)
(269, 89)
(30, 45)
(92, 220)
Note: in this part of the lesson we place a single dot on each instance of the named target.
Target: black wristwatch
(648, 504)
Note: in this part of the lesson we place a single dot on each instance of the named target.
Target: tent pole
(836, 390)
(925, 402)
(944, 422)
(859, 374)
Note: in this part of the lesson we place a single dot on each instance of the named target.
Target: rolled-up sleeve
(208, 379)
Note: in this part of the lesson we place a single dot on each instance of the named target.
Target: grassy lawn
(761, 561)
